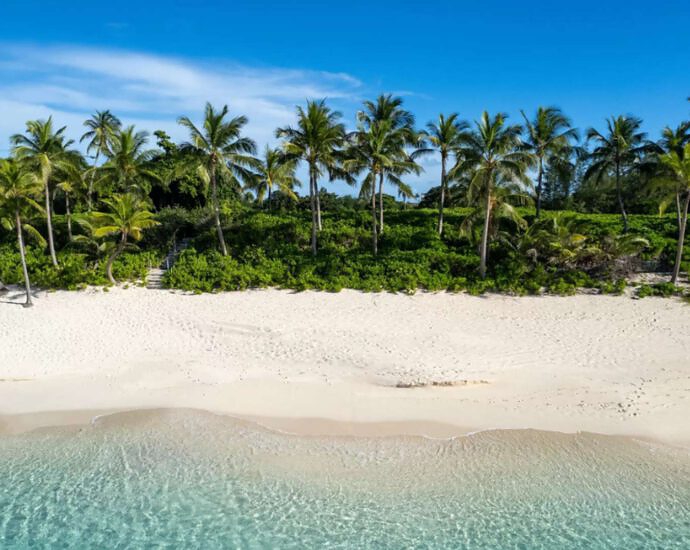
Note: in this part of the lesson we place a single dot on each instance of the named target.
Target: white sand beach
(432, 364)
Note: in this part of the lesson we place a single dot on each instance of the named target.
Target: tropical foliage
(518, 207)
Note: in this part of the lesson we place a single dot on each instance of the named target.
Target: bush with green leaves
(272, 249)
(659, 289)
(76, 270)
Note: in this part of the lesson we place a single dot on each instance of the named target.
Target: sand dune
(431, 363)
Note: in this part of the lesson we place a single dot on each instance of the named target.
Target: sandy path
(595, 363)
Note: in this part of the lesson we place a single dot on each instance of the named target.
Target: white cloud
(151, 91)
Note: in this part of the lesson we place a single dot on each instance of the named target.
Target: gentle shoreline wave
(189, 479)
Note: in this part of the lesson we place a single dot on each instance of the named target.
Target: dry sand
(432, 364)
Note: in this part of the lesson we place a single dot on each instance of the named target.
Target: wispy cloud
(70, 82)
(151, 91)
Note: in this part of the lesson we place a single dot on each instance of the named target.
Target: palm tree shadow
(12, 295)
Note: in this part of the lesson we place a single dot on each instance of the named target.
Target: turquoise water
(182, 479)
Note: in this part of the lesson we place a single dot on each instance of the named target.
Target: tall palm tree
(102, 128)
(276, 170)
(219, 153)
(674, 139)
(388, 109)
(376, 150)
(127, 216)
(316, 140)
(128, 168)
(71, 180)
(18, 187)
(617, 151)
(678, 166)
(446, 135)
(41, 148)
(548, 137)
(496, 162)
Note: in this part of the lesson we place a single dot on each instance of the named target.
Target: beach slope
(432, 364)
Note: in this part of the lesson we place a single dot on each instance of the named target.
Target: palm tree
(447, 136)
(316, 140)
(275, 170)
(102, 128)
(673, 139)
(678, 166)
(388, 109)
(18, 187)
(219, 152)
(617, 152)
(405, 192)
(375, 149)
(496, 162)
(127, 216)
(70, 176)
(128, 168)
(548, 138)
(41, 149)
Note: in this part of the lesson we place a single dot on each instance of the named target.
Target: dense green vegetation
(272, 249)
(520, 208)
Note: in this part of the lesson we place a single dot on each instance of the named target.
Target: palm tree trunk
(22, 254)
(118, 250)
(681, 239)
(318, 204)
(216, 210)
(314, 216)
(269, 196)
(381, 203)
(539, 186)
(443, 193)
(678, 210)
(68, 213)
(619, 194)
(89, 194)
(49, 223)
(483, 251)
(374, 231)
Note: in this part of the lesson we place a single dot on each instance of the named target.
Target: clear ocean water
(184, 479)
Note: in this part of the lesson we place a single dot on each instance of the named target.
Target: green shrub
(659, 289)
(75, 270)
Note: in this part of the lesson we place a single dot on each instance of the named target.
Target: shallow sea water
(186, 479)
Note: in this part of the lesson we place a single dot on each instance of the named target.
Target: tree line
(490, 165)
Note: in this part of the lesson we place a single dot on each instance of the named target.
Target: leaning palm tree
(18, 189)
(678, 172)
(548, 137)
(447, 136)
(617, 151)
(276, 170)
(219, 153)
(316, 140)
(128, 168)
(497, 164)
(102, 128)
(127, 217)
(41, 148)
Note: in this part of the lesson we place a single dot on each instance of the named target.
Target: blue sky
(150, 61)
